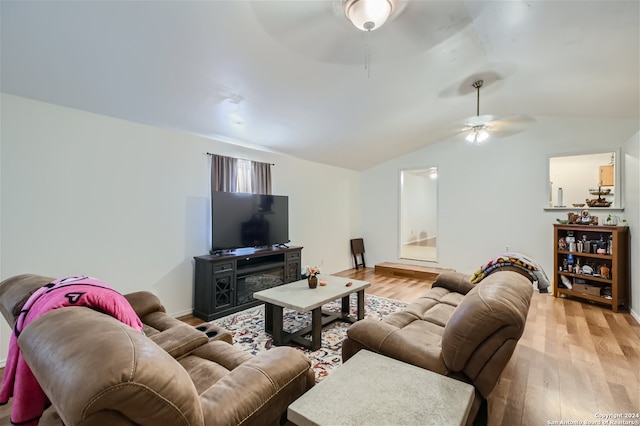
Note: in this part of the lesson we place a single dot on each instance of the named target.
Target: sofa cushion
(211, 362)
(258, 389)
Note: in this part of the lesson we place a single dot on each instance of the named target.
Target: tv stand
(225, 281)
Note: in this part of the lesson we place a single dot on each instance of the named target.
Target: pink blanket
(29, 400)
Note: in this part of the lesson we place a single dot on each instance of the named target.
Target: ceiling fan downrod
(477, 85)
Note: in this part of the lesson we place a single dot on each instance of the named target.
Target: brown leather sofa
(457, 329)
(97, 371)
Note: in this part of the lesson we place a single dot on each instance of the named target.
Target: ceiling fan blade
(510, 125)
(311, 29)
(321, 31)
(425, 24)
(498, 127)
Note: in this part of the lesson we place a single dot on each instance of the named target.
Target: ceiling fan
(334, 31)
(480, 127)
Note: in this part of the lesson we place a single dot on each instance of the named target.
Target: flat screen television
(240, 220)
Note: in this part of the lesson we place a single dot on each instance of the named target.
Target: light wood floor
(575, 360)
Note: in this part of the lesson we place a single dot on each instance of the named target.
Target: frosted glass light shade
(367, 15)
(477, 136)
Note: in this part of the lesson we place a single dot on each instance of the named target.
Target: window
(239, 175)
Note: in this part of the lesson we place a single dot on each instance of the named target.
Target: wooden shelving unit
(617, 262)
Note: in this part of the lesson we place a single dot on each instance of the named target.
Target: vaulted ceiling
(296, 77)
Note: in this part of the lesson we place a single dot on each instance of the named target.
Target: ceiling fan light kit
(367, 15)
(477, 136)
(478, 128)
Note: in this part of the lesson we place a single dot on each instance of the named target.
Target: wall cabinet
(606, 175)
(592, 263)
(225, 283)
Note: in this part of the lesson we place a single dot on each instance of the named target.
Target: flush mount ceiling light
(367, 15)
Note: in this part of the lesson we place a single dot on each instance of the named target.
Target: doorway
(418, 214)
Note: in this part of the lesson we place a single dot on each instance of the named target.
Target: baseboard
(635, 315)
(181, 313)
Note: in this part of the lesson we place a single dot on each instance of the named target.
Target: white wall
(489, 197)
(631, 155)
(129, 204)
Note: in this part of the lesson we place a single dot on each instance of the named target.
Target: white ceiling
(290, 77)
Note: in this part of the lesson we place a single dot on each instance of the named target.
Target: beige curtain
(261, 178)
(223, 173)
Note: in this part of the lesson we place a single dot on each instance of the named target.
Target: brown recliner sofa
(457, 329)
(96, 370)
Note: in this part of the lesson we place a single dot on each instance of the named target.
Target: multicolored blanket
(29, 400)
(517, 260)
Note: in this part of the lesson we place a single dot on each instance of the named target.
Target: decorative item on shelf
(562, 244)
(604, 271)
(560, 198)
(312, 272)
(599, 202)
(611, 220)
(578, 204)
(584, 218)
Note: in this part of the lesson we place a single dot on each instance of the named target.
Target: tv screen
(248, 220)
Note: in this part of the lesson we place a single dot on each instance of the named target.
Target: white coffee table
(371, 389)
(299, 297)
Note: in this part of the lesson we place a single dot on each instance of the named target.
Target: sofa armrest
(144, 302)
(454, 281)
(266, 384)
(15, 291)
(179, 339)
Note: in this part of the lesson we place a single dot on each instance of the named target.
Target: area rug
(247, 328)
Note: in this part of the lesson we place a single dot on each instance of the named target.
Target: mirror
(585, 181)
(418, 214)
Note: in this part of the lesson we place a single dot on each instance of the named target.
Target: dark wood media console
(225, 283)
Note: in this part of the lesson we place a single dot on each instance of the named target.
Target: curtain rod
(246, 159)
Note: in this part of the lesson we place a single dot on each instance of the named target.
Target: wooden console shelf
(225, 283)
(608, 281)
